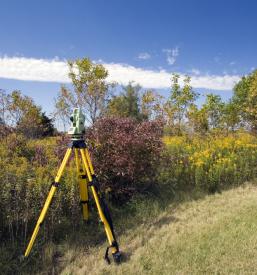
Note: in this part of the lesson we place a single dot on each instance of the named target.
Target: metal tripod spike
(86, 178)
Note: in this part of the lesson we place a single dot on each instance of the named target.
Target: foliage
(152, 105)
(126, 158)
(137, 104)
(90, 93)
(126, 147)
(231, 116)
(214, 108)
(198, 119)
(20, 112)
(127, 104)
(125, 153)
(176, 107)
(212, 163)
(245, 99)
(47, 126)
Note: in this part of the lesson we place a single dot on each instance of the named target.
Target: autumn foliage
(125, 153)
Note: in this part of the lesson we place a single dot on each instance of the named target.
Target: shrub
(125, 154)
(210, 163)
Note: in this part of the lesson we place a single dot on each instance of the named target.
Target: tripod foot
(117, 257)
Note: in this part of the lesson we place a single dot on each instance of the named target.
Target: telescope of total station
(87, 180)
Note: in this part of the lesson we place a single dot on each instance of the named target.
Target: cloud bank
(54, 70)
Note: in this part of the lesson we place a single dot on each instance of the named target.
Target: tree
(20, 106)
(231, 115)
(152, 105)
(198, 119)
(127, 104)
(179, 101)
(4, 102)
(47, 125)
(63, 107)
(27, 117)
(117, 107)
(133, 103)
(215, 111)
(245, 100)
(90, 91)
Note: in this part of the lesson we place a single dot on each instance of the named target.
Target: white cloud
(56, 70)
(232, 63)
(22, 68)
(171, 55)
(144, 56)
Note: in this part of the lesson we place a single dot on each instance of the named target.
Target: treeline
(178, 111)
(97, 98)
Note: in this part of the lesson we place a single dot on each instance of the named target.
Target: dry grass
(214, 235)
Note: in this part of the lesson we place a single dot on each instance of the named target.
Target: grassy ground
(216, 234)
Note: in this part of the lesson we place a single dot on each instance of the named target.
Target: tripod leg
(48, 201)
(82, 186)
(101, 207)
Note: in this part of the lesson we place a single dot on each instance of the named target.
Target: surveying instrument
(86, 178)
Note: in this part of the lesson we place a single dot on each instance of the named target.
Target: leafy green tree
(117, 107)
(27, 117)
(134, 103)
(231, 116)
(127, 104)
(181, 98)
(21, 106)
(215, 111)
(245, 100)
(152, 105)
(90, 92)
(47, 125)
(198, 119)
(131, 99)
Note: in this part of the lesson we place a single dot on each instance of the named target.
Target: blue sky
(213, 41)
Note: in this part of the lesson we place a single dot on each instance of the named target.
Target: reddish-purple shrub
(125, 153)
(5, 131)
(62, 143)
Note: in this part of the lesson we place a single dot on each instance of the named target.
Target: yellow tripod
(86, 178)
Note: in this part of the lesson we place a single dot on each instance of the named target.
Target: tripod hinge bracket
(56, 184)
(94, 182)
